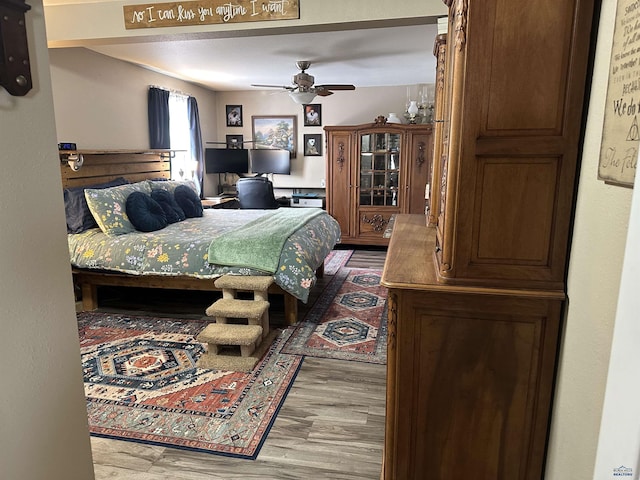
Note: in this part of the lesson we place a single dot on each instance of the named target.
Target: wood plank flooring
(331, 425)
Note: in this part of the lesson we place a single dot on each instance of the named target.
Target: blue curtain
(197, 151)
(158, 109)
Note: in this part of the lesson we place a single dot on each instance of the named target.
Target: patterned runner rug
(347, 322)
(336, 260)
(142, 385)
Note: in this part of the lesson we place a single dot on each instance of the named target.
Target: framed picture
(234, 141)
(234, 115)
(312, 144)
(275, 131)
(312, 115)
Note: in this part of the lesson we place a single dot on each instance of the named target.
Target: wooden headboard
(100, 166)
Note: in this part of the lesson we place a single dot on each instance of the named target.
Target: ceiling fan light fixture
(302, 97)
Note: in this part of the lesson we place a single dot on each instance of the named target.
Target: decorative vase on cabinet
(393, 118)
(375, 171)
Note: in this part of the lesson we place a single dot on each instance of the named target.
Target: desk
(219, 202)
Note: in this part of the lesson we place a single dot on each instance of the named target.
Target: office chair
(256, 192)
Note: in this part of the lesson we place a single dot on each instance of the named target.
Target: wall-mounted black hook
(15, 70)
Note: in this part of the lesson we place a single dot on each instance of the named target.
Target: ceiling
(371, 57)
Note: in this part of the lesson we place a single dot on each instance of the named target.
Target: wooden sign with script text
(621, 132)
(173, 14)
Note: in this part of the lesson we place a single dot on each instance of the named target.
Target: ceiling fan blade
(321, 92)
(336, 87)
(273, 86)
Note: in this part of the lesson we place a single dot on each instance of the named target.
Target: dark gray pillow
(171, 209)
(144, 213)
(79, 217)
(189, 201)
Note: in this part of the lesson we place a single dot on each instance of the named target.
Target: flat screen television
(265, 160)
(226, 160)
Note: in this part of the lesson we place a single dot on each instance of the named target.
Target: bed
(177, 256)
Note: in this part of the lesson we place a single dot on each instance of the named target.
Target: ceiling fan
(303, 89)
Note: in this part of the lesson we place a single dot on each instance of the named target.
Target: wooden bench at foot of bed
(89, 281)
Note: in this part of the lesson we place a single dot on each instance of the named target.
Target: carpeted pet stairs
(249, 329)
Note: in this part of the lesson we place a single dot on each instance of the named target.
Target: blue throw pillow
(189, 201)
(171, 209)
(79, 217)
(145, 213)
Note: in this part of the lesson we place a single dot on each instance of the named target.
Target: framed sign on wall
(207, 12)
(620, 131)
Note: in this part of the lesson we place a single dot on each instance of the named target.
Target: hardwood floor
(331, 425)
(368, 258)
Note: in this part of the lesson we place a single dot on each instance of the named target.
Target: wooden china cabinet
(477, 286)
(439, 51)
(375, 171)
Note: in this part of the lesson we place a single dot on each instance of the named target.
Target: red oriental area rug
(142, 384)
(347, 322)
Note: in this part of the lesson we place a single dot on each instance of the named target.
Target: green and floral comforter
(182, 249)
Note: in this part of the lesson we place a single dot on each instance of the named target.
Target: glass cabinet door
(379, 169)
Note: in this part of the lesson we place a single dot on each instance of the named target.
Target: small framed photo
(312, 115)
(235, 141)
(312, 144)
(234, 115)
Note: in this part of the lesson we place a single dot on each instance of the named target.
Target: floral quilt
(182, 249)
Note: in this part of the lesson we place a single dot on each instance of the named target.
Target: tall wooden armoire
(477, 286)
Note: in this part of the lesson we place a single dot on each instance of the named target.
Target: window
(182, 165)
(174, 124)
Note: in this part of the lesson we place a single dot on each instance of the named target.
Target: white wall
(101, 103)
(43, 431)
(596, 260)
(619, 443)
